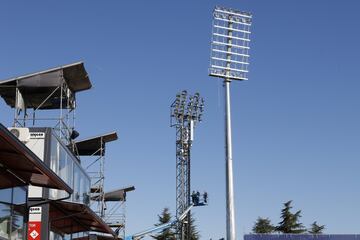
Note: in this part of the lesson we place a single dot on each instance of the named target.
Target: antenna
(185, 112)
(229, 60)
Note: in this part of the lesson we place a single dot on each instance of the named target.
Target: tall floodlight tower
(230, 60)
(186, 112)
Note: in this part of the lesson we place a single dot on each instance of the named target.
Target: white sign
(35, 214)
(37, 135)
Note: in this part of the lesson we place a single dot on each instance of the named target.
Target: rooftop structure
(52, 89)
(94, 146)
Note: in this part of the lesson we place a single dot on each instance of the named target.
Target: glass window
(12, 214)
(62, 164)
(81, 185)
(5, 195)
(77, 181)
(61, 161)
(65, 166)
(54, 154)
(17, 223)
(55, 236)
(86, 190)
(5, 211)
(19, 195)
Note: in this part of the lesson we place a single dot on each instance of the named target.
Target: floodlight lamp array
(230, 44)
(187, 108)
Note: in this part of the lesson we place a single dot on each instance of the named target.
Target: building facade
(45, 191)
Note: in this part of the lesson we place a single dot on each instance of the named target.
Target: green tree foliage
(316, 229)
(194, 233)
(290, 221)
(263, 225)
(167, 234)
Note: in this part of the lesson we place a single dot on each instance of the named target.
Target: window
(66, 166)
(17, 223)
(12, 213)
(19, 195)
(77, 182)
(5, 215)
(5, 195)
(81, 185)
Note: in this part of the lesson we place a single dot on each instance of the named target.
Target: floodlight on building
(230, 60)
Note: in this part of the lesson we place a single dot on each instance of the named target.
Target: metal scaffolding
(110, 206)
(186, 112)
(94, 151)
(53, 90)
(115, 215)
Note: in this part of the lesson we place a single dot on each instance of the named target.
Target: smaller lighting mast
(230, 60)
(185, 112)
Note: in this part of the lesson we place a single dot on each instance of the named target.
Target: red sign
(34, 225)
(34, 230)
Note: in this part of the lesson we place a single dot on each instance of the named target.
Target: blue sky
(295, 122)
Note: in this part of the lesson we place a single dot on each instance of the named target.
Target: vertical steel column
(16, 115)
(61, 109)
(188, 217)
(102, 178)
(230, 206)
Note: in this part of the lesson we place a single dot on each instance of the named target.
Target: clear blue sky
(295, 122)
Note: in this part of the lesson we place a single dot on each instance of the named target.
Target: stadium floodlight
(185, 113)
(230, 44)
(230, 61)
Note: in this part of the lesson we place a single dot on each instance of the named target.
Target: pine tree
(194, 233)
(290, 221)
(316, 229)
(263, 225)
(167, 234)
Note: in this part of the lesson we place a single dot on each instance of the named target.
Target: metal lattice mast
(186, 111)
(229, 60)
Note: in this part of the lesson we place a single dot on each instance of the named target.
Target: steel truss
(186, 111)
